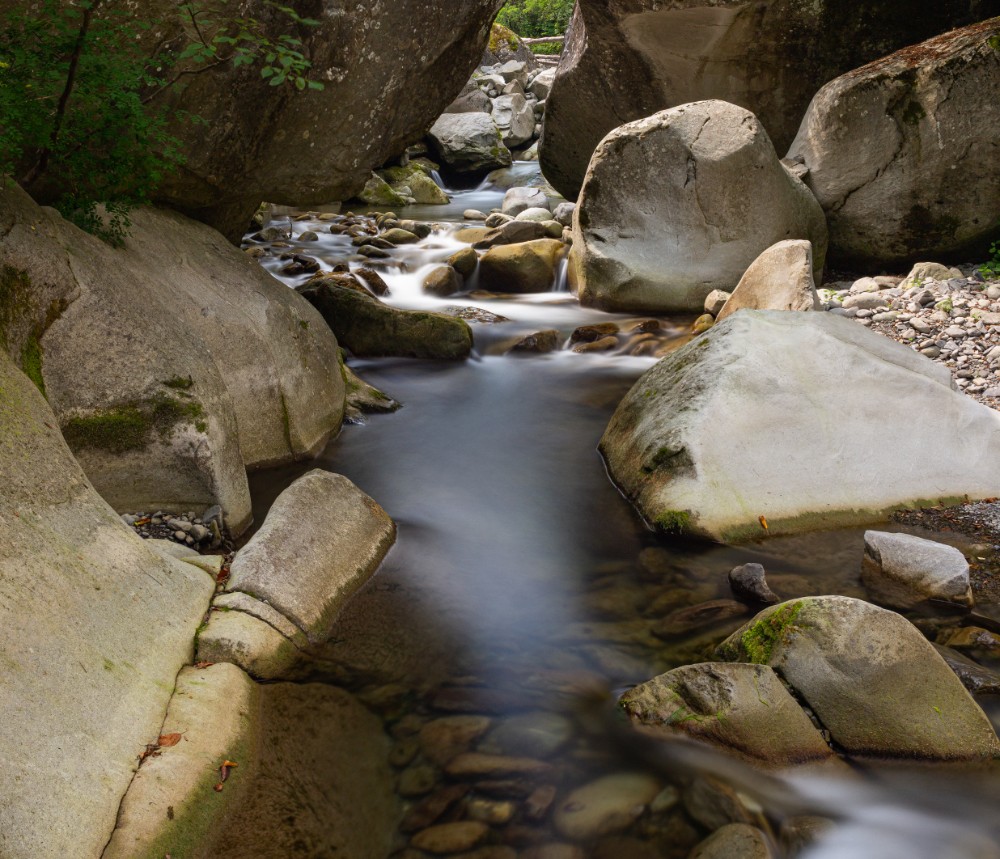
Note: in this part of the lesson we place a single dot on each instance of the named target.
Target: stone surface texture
(742, 708)
(872, 679)
(781, 278)
(695, 444)
(626, 59)
(322, 540)
(95, 627)
(679, 204)
(926, 116)
(904, 571)
(172, 806)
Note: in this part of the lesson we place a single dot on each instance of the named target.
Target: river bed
(524, 591)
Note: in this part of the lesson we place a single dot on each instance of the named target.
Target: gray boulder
(94, 628)
(904, 571)
(468, 142)
(681, 203)
(321, 541)
(475, 101)
(520, 199)
(515, 119)
(781, 278)
(873, 681)
(695, 445)
(927, 116)
(627, 59)
(742, 708)
(541, 84)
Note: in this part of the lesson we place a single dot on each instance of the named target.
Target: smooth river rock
(609, 804)
(742, 708)
(626, 59)
(468, 142)
(695, 444)
(782, 278)
(735, 841)
(679, 204)
(924, 183)
(322, 540)
(904, 571)
(874, 682)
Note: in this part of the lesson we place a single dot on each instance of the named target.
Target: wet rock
(742, 708)
(538, 803)
(468, 142)
(535, 735)
(554, 851)
(978, 679)
(322, 539)
(609, 804)
(511, 233)
(474, 314)
(735, 841)
(378, 192)
(432, 808)
(369, 328)
(669, 445)
(972, 638)
(492, 811)
(705, 614)
(702, 324)
(749, 584)
(916, 140)
(365, 398)
(541, 216)
(592, 333)
(474, 215)
(478, 765)
(903, 571)
(442, 740)
(781, 278)
(874, 682)
(540, 341)
(668, 182)
(605, 344)
(451, 837)
(417, 780)
(414, 182)
(442, 281)
(464, 261)
(521, 268)
(715, 804)
(403, 752)
(399, 236)
(801, 832)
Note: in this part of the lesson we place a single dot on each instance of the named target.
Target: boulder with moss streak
(872, 679)
(743, 426)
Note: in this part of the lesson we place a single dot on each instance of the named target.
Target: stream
(524, 594)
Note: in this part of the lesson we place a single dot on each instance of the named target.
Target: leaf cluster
(991, 268)
(537, 18)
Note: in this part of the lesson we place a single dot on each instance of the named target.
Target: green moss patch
(131, 427)
(760, 637)
(31, 363)
(15, 289)
(674, 521)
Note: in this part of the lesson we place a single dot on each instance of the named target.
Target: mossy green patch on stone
(130, 427)
(501, 37)
(15, 290)
(180, 383)
(31, 362)
(762, 635)
(913, 112)
(674, 521)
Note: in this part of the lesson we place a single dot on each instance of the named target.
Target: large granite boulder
(388, 70)
(737, 434)
(468, 142)
(172, 364)
(625, 59)
(902, 153)
(94, 628)
(872, 679)
(681, 203)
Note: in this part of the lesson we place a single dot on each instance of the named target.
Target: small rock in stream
(687, 620)
(749, 584)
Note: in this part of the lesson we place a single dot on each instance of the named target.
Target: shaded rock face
(924, 183)
(389, 69)
(681, 203)
(695, 445)
(172, 364)
(94, 627)
(625, 59)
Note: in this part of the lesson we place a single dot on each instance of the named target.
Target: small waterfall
(562, 275)
(438, 180)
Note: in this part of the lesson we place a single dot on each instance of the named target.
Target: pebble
(451, 837)
(607, 805)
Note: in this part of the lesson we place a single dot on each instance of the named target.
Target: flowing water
(525, 591)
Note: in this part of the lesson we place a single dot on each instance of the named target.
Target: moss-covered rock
(523, 267)
(369, 328)
(423, 189)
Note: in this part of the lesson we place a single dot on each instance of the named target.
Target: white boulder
(904, 571)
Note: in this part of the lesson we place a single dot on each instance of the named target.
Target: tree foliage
(80, 125)
(536, 18)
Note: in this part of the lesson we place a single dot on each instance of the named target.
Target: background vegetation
(536, 18)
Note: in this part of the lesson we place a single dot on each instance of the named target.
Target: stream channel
(525, 591)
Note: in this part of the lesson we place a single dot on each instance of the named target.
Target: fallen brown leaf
(168, 740)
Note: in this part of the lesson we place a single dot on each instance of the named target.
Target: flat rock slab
(172, 804)
(94, 627)
(742, 708)
(321, 541)
(697, 447)
(873, 681)
(904, 571)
